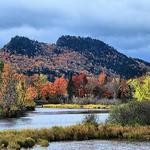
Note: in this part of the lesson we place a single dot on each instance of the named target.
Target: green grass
(73, 106)
(30, 137)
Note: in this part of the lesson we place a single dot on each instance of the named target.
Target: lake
(97, 145)
(48, 117)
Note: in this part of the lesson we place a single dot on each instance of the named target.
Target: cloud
(124, 24)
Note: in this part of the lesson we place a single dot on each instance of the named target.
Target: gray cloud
(124, 24)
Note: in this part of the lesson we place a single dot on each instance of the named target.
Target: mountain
(25, 46)
(70, 53)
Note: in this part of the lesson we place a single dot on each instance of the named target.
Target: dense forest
(20, 92)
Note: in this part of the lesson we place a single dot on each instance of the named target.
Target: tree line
(19, 92)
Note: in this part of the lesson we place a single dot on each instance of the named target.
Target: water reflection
(47, 117)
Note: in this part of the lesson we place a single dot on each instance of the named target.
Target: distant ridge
(70, 53)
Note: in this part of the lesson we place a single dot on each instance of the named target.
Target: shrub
(29, 142)
(3, 143)
(26, 143)
(43, 142)
(133, 113)
(90, 119)
(58, 133)
(46, 134)
(13, 146)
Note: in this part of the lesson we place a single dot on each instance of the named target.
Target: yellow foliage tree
(141, 88)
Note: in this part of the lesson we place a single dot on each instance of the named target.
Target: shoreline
(28, 138)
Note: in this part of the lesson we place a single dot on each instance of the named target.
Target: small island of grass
(77, 106)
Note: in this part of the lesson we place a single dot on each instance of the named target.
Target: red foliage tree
(47, 90)
(79, 82)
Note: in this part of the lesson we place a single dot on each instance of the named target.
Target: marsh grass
(73, 106)
(43, 143)
(30, 137)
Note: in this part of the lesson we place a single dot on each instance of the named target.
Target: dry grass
(73, 106)
(30, 137)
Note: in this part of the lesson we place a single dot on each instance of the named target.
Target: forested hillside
(70, 54)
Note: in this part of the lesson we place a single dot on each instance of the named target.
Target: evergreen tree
(1, 69)
(1, 66)
(70, 88)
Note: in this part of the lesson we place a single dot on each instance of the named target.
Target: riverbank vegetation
(77, 106)
(30, 137)
(136, 112)
(133, 113)
(16, 93)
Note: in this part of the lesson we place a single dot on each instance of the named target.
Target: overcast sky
(124, 24)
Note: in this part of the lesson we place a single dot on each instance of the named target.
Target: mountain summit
(24, 46)
(70, 53)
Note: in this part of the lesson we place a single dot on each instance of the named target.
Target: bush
(43, 142)
(133, 113)
(26, 143)
(58, 133)
(3, 143)
(90, 119)
(13, 146)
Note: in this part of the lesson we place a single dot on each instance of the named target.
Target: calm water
(48, 117)
(97, 145)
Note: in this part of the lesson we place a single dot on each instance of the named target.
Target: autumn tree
(79, 82)
(91, 86)
(102, 78)
(125, 91)
(8, 97)
(38, 82)
(30, 96)
(61, 86)
(141, 88)
(48, 90)
(115, 86)
(21, 91)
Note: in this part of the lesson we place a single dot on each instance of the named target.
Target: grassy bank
(73, 106)
(30, 137)
(15, 112)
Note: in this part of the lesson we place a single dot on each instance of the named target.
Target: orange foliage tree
(102, 78)
(48, 90)
(31, 93)
(61, 86)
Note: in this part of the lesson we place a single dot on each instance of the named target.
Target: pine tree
(1, 66)
(1, 69)
(70, 88)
